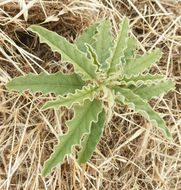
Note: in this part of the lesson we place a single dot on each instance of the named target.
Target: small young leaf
(135, 102)
(92, 139)
(93, 55)
(141, 63)
(142, 79)
(108, 93)
(131, 47)
(78, 126)
(69, 52)
(154, 90)
(103, 42)
(86, 37)
(88, 92)
(58, 83)
(117, 52)
(129, 51)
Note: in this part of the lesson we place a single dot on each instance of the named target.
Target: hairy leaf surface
(141, 63)
(88, 92)
(86, 37)
(134, 101)
(154, 90)
(142, 79)
(78, 126)
(117, 51)
(103, 42)
(69, 52)
(92, 139)
(58, 83)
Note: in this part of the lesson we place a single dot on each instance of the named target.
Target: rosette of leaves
(106, 72)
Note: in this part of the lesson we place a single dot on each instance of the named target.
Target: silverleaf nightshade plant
(106, 72)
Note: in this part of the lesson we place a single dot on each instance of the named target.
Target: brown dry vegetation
(132, 154)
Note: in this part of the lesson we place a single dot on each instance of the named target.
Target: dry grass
(132, 154)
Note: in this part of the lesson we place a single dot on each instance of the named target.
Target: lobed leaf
(134, 101)
(103, 42)
(117, 52)
(87, 92)
(154, 90)
(142, 79)
(141, 63)
(78, 126)
(58, 83)
(69, 52)
(92, 139)
(86, 37)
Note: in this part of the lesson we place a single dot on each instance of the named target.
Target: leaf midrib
(73, 131)
(45, 85)
(56, 47)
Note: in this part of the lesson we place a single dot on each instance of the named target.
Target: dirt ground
(132, 154)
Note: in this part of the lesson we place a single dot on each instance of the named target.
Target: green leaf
(141, 63)
(142, 79)
(69, 52)
(103, 42)
(92, 139)
(86, 37)
(117, 52)
(135, 102)
(88, 92)
(93, 55)
(131, 47)
(129, 51)
(108, 93)
(154, 90)
(58, 83)
(78, 126)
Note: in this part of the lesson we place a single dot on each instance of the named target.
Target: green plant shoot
(106, 72)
